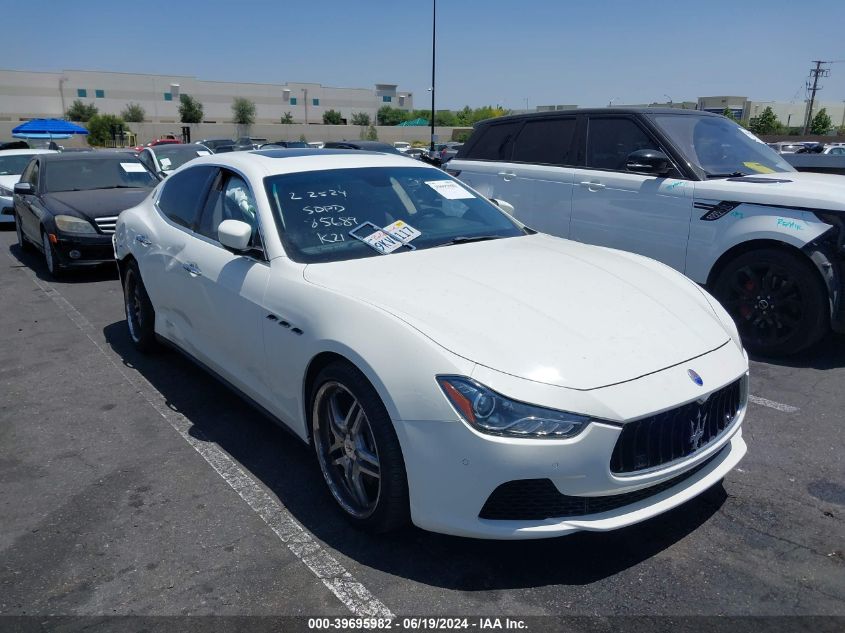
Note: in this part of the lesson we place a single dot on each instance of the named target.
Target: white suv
(688, 188)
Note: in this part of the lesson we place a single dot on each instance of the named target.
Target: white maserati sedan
(447, 365)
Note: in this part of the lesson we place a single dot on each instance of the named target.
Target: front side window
(88, 174)
(719, 147)
(315, 211)
(230, 199)
(495, 142)
(547, 141)
(184, 193)
(611, 140)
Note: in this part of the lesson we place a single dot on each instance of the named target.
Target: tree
(391, 116)
(360, 118)
(79, 111)
(101, 128)
(302, 138)
(133, 113)
(729, 115)
(372, 133)
(821, 122)
(766, 123)
(190, 110)
(332, 117)
(243, 111)
(446, 118)
(287, 118)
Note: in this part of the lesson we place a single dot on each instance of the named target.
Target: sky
(513, 53)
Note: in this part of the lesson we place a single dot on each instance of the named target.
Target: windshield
(172, 157)
(85, 174)
(14, 165)
(720, 147)
(316, 211)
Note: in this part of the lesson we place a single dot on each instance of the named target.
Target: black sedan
(67, 205)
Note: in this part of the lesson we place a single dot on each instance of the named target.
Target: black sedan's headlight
(493, 413)
(72, 224)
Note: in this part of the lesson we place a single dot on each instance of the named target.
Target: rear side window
(184, 193)
(547, 141)
(609, 141)
(495, 142)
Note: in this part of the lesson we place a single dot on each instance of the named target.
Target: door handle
(507, 175)
(593, 186)
(143, 240)
(192, 269)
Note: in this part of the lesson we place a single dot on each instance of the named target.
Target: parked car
(688, 188)
(214, 143)
(447, 365)
(834, 150)
(248, 143)
(367, 146)
(786, 148)
(67, 205)
(402, 146)
(12, 164)
(284, 144)
(316, 144)
(163, 159)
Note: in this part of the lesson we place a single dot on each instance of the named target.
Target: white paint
(786, 408)
(333, 575)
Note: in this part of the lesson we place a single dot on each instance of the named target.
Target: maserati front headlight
(493, 413)
(71, 224)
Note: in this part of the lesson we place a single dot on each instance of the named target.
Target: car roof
(576, 111)
(18, 152)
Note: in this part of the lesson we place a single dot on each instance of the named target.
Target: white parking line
(786, 408)
(333, 575)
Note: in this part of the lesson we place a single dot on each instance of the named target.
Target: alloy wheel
(48, 253)
(346, 449)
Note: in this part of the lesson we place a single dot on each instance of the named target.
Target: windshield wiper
(465, 240)
(114, 187)
(736, 174)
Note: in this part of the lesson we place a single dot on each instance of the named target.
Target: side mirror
(23, 188)
(234, 235)
(649, 161)
(507, 207)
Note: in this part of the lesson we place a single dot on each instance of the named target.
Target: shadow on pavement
(829, 353)
(286, 466)
(34, 260)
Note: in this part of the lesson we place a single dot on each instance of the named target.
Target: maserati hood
(539, 307)
(96, 203)
(788, 189)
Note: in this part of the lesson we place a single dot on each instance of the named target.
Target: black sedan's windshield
(719, 147)
(100, 173)
(173, 156)
(318, 211)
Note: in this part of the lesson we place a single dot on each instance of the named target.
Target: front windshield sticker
(388, 239)
(759, 167)
(750, 135)
(165, 163)
(202, 152)
(130, 168)
(449, 189)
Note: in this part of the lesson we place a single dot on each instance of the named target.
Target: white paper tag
(402, 231)
(751, 135)
(165, 162)
(383, 242)
(130, 168)
(202, 152)
(449, 189)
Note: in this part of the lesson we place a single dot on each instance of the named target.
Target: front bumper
(92, 250)
(453, 469)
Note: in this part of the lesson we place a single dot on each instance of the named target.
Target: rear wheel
(140, 315)
(23, 243)
(357, 449)
(777, 299)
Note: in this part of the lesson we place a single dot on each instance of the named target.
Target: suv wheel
(778, 301)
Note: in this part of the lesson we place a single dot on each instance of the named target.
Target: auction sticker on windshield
(133, 168)
(449, 189)
(388, 239)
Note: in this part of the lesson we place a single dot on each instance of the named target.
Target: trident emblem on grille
(696, 430)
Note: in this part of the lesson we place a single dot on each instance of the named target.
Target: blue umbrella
(47, 128)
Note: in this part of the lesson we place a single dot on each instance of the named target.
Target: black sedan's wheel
(777, 300)
(23, 243)
(358, 450)
(50, 257)
(140, 315)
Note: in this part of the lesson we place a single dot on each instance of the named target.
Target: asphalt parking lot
(139, 485)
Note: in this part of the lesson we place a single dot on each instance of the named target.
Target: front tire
(357, 449)
(50, 257)
(140, 314)
(777, 300)
(23, 243)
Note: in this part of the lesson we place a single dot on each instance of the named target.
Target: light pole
(668, 97)
(305, 103)
(433, 43)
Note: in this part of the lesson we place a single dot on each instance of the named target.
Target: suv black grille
(533, 499)
(675, 434)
